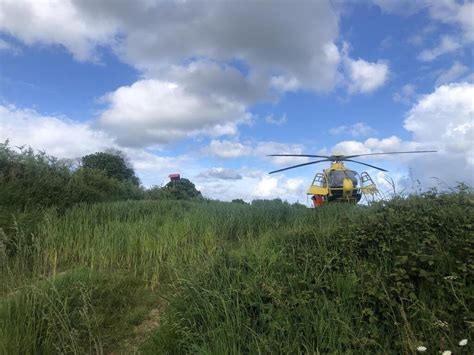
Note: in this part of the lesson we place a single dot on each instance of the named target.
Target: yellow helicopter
(338, 183)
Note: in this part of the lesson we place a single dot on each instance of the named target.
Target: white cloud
(234, 149)
(285, 84)
(297, 41)
(204, 77)
(445, 118)
(278, 186)
(456, 71)
(251, 184)
(57, 136)
(56, 22)
(359, 129)
(282, 48)
(457, 13)
(228, 150)
(151, 112)
(265, 148)
(364, 77)
(204, 94)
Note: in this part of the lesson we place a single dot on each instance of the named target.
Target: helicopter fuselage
(339, 184)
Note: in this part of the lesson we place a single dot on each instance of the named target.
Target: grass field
(214, 277)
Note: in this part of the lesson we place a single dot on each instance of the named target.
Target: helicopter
(338, 183)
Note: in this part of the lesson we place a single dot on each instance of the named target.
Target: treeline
(31, 181)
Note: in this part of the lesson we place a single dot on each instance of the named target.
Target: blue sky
(208, 89)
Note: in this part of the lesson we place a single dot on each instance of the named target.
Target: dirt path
(140, 333)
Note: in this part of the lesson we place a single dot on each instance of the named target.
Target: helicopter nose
(347, 185)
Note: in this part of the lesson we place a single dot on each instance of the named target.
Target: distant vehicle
(338, 183)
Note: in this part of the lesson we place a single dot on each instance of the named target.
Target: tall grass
(229, 278)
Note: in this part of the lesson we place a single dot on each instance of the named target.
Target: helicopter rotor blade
(372, 166)
(297, 166)
(409, 152)
(300, 155)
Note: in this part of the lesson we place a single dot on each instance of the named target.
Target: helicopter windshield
(336, 178)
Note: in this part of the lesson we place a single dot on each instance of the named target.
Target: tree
(113, 164)
(182, 189)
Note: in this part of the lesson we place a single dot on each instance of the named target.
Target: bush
(31, 182)
(380, 279)
(182, 189)
(113, 165)
(90, 185)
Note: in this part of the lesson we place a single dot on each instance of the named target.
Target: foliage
(113, 165)
(384, 279)
(182, 189)
(32, 181)
(158, 193)
(90, 185)
(29, 178)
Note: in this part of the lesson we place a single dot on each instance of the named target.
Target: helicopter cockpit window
(336, 178)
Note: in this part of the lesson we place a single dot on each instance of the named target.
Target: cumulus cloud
(257, 185)
(459, 13)
(363, 76)
(151, 111)
(445, 118)
(277, 186)
(57, 136)
(228, 150)
(234, 149)
(195, 80)
(207, 77)
(374, 145)
(296, 41)
(281, 47)
(190, 84)
(262, 149)
(366, 77)
(56, 22)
